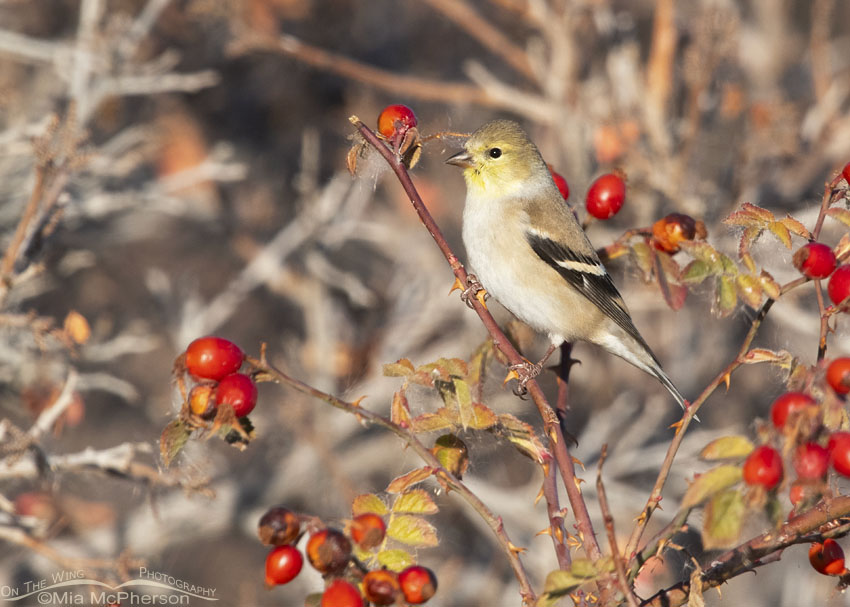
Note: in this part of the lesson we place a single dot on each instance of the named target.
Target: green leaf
(560, 583)
(368, 502)
(173, 439)
(725, 296)
(749, 289)
(442, 419)
(696, 272)
(452, 454)
(402, 368)
(415, 501)
(412, 530)
(463, 395)
(395, 560)
(726, 447)
(482, 417)
(724, 516)
(710, 483)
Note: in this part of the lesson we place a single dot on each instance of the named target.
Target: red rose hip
(559, 180)
(838, 375)
(340, 593)
(815, 260)
(811, 461)
(827, 558)
(789, 403)
(839, 452)
(283, 563)
(418, 584)
(395, 118)
(213, 357)
(763, 467)
(839, 284)
(279, 526)
(605, 196)
(239, 391)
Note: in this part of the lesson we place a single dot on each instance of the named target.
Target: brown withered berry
(279, 526)
(381, 587)
(328, 550)
(368, 530)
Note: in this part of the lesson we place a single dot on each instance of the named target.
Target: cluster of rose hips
(816, 260)
(214, 363)
(329, 551)
(797, 415)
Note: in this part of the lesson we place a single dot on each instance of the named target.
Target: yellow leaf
(726, 447)
(395, 560)
(368, 502)
(724, 515)
(463, 395)
(781, 232)
(400, 410)
(839, 214)
(402, 368)
(710, 483)
(412, 530)
(415, 501)
(431, 422)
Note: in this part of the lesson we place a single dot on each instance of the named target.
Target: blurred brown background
(210, 196)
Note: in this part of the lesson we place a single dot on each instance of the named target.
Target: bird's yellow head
(499, 159)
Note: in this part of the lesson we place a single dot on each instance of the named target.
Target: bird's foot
(473, 289)
(523, 373)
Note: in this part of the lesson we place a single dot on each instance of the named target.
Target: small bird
(530, 253)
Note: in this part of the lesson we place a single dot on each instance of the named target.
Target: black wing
(589, 278)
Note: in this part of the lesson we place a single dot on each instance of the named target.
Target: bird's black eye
(494, 152)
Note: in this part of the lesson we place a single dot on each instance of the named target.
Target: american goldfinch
(529, 252)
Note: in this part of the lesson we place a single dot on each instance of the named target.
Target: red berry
(839, 452)
(605, 196)
(846, 173)
(560, 182)
(815, 260)
(393, 114)
(797, 492)
(328, 550)
(763, 467)
(839, 284)
(213, 357)
(827, 558)
(381, 587)
(367, 530)
(283, 563)
(788, 403)
(811, 461)
(671, 230)
(838, 375)
(340, 593)
(239, 391)
(279, 526)
(418, 584)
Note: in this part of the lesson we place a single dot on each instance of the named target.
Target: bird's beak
(461, 159)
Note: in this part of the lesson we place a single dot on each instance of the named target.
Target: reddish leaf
(401, 483)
